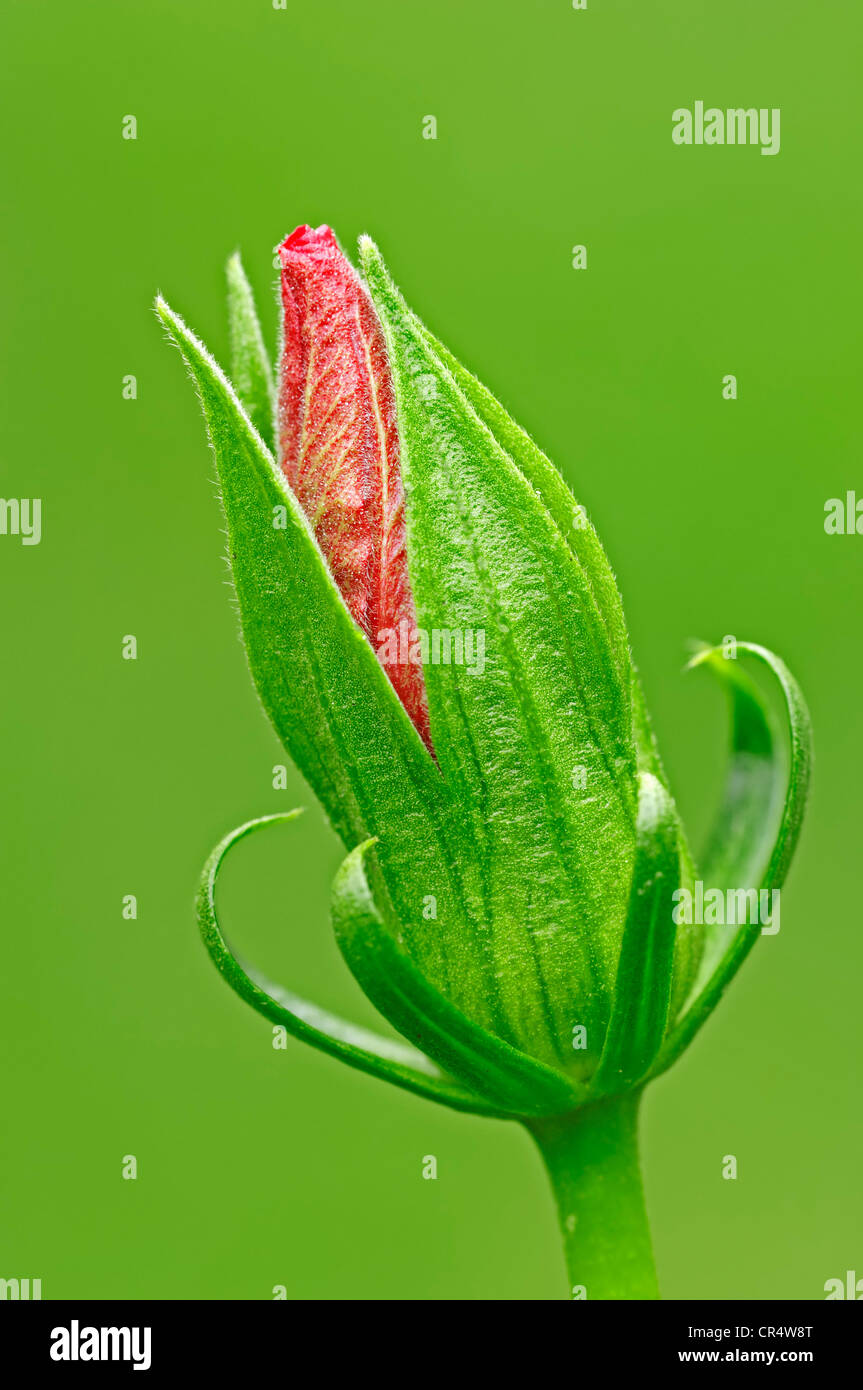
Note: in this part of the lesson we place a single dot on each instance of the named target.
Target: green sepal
(505, 1077)
(392, 1061)
(603, 606)
(484, 552)
(574, 526)
(642, 990)
(570, 517)
(745, 817)
(251, 371)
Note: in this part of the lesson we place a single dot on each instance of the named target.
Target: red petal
(339, 445)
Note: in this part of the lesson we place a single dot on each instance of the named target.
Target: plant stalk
(592, 1160)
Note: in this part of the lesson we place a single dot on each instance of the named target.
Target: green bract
(551, 980)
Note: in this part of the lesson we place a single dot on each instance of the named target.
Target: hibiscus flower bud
(339, 443)
(435, 632)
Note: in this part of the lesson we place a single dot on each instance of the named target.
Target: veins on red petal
(339, 445)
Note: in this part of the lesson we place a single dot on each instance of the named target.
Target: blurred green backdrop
(259, 1167)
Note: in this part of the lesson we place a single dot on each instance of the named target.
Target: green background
(260, 1167)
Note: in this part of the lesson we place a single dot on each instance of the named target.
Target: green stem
(592, 1160)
